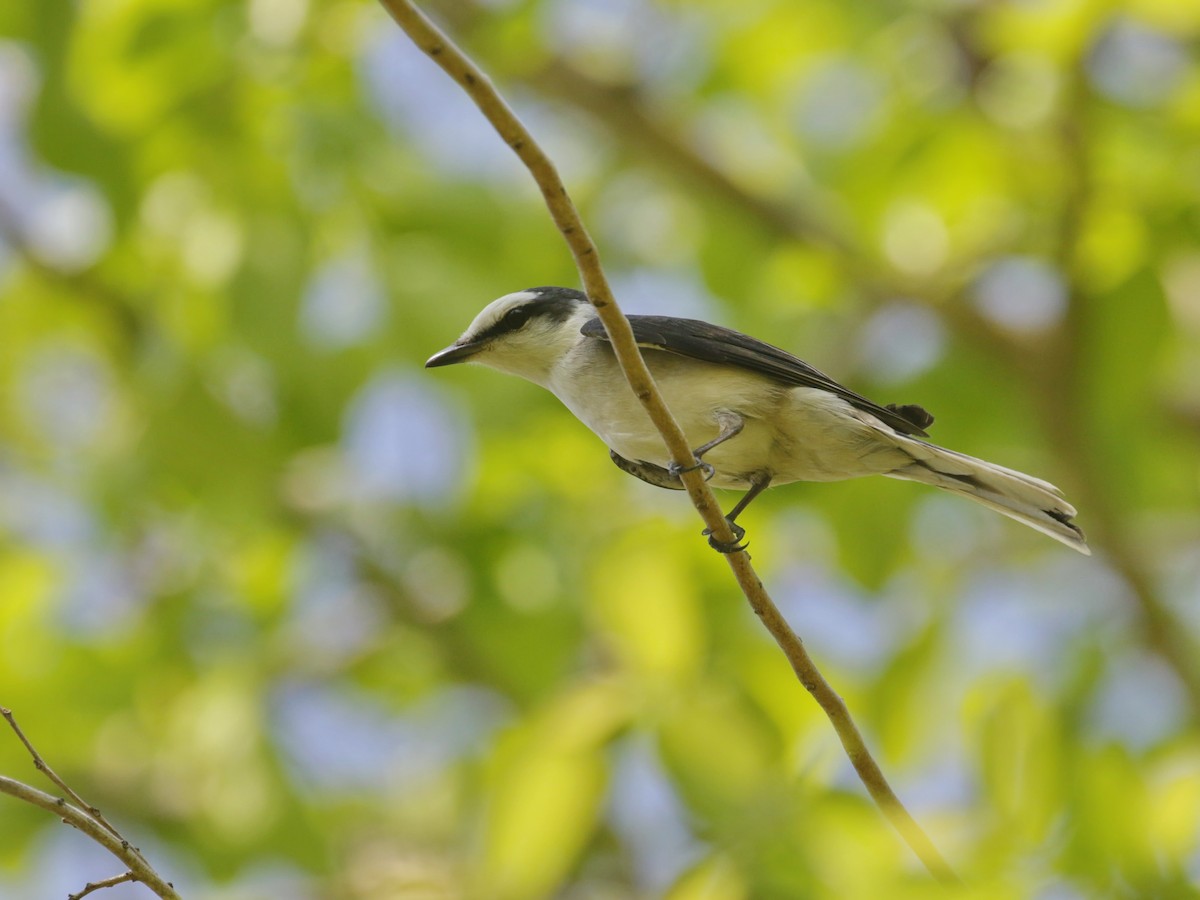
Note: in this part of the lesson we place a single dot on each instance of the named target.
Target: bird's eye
(516, 317)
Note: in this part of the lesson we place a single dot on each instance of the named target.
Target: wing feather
(724, 346)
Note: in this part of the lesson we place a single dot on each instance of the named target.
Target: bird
(756, 415)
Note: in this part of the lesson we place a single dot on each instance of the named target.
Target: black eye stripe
(553, 306)
(511, 321)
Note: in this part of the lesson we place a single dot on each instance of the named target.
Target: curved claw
(734, 546)
(675, 470)
(722, 547)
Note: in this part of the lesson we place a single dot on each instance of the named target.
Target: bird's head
(524, 333)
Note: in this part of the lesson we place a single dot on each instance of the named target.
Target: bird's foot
(734, 546)
(675, 470)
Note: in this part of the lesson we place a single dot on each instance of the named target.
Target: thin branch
(455, 63)
(85, 817)
(78, 818)
(44, 767)
(92, 886)
(514, 133)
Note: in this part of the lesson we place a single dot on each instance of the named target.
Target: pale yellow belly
(790, 433)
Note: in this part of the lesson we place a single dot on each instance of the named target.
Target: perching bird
(756, 415)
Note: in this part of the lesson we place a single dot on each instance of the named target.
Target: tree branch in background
(1056, 384)
(628, 116)
(83, 284)
(455, 63)
(87, 819)
(622, 110)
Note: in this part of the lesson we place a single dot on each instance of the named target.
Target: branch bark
(430, 39)
(87, 819)
(77, 818)
(44, 767)
(92, 886)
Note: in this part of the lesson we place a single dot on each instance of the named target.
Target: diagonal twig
(93, 886)
(430, 39)
(44, 767)
(87, 819)
(78, 818)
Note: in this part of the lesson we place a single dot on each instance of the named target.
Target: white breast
(590, 384)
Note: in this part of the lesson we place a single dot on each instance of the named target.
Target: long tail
(1029, 500)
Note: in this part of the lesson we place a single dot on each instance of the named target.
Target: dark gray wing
(714, 344)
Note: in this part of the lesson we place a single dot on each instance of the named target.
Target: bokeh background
(311, 622)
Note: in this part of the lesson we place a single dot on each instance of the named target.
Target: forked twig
(44, 767)
(430, 39)
(87, 819)
(92, 886)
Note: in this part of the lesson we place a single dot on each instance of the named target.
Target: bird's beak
(455, 353)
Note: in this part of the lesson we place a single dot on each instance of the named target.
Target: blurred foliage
(308, 621)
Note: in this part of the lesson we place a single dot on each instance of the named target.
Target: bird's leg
(757, 486)
(731, 426)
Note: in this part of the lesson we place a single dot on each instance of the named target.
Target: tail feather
(1029, 500)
